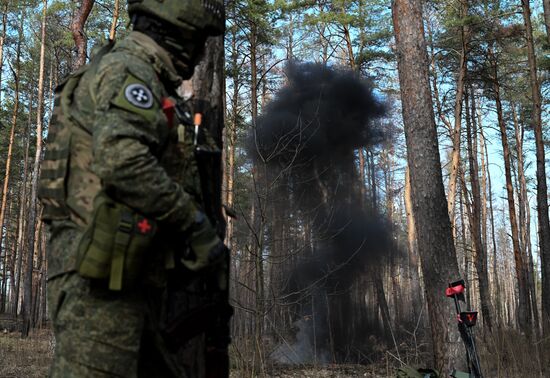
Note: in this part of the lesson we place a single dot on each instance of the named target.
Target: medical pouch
(114, 244)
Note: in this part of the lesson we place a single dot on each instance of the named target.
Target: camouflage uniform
(119, 100)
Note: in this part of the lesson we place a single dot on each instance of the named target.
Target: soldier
(137, 272)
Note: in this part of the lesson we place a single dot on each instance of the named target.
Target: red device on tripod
(466, 320)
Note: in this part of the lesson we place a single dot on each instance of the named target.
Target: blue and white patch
(139, 95)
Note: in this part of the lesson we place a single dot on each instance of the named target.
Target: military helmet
(189, 15)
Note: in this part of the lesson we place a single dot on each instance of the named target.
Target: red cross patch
(144, 226)
(168, 107)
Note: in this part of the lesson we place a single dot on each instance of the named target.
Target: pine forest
(373, 153)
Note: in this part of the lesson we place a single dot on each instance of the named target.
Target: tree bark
(435, 241)
(21, 229)
(208, 91)
(257, 221)
(413, 266)
(546, 7)
(77, 29)
(524, 218)
(32, 223)
(456, 133)
(44, 276)
(116, 12)
(231, 138)
(475, 219)
(481, 153)
(13, 127)
(208, 85)
(5, 191)
(3, 41)
(381, 300)
(253, 73)
(524, 309)
(542, 188)
(464, 202)
(487, 174)
(8, 160)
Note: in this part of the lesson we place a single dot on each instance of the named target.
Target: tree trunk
(20, 246)
(13, 125)
(23, 224)
(542, 188)
(2, 42)
(524, 310)
(481, 153)
(475, 221)
(381, 300)
(44, 276)
(231, 138)
(455, 133)
(349, 46)
(413, 266)
(256, 197)
(498, 295)
(546, 6)
(38, 272)
(12, 254)
(464, 202)
(10, 149)
(362, 151)
(253, 74)
(524, 218)
(208, 88)
(116, 11)
(5, 191)
(32, 224)
(77, 29)
(435, 241)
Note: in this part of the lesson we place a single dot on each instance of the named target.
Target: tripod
(466, 320)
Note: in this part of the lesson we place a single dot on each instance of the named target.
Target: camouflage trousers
(103, 333)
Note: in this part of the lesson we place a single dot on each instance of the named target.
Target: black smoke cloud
(308, 137)
(322, 112)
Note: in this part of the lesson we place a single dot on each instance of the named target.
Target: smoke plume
(308, 137)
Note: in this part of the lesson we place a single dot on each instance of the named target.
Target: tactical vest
(69, 148)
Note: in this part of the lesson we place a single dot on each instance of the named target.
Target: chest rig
(69, 149)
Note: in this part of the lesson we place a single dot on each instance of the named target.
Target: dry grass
(25, 358)
(507, 353)
(503, 354)
(334, 371)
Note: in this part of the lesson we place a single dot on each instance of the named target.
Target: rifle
(209, 162)
(466, 320)
(201, 302)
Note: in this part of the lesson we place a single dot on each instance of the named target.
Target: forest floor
(22, 358)
(333, 371)
(31, 357)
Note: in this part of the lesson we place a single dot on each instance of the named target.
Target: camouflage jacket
(125, 141)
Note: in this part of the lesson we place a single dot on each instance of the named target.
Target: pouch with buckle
(114, 244)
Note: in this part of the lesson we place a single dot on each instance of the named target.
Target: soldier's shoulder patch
(136, 97)
(139, 95)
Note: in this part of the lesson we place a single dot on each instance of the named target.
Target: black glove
(207, 247)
